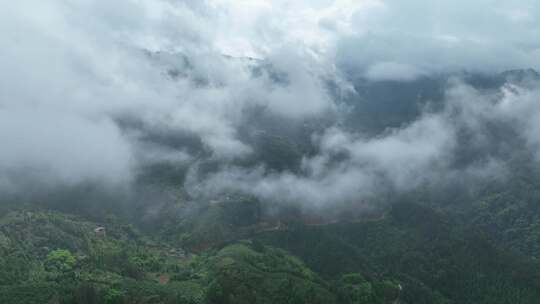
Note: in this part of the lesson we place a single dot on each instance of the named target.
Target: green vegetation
(433, 261)
(410, 255)
(48, 257)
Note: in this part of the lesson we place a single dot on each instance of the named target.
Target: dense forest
(409, 254)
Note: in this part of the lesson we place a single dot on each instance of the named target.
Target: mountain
(409, 254)
(455, 240)
(379, 105)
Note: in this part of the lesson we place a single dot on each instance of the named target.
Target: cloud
(351, 168)
(52, 148)
(347, 169)
(97, 90)
(74, 72)
(434, 37)
(392, 71)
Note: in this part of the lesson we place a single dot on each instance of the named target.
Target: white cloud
(73, 69)
(351, 168)
(434, 36)
(80, 64)
(393, 71)
(53, 148)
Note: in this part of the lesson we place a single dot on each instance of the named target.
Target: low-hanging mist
(274, 100)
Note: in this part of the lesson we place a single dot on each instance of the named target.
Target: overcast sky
(72, 70)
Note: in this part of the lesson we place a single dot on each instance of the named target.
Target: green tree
(60, 263)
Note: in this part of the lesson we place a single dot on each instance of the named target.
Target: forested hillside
(410, 254)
